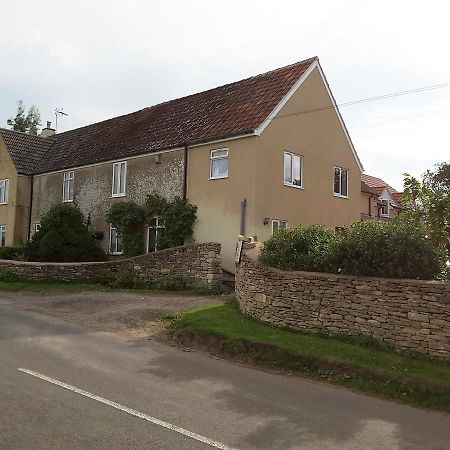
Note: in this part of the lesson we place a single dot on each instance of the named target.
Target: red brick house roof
(231, 110)
(376, 186)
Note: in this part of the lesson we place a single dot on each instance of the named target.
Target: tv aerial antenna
(59, 112)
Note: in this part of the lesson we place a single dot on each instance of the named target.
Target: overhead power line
(370, 99)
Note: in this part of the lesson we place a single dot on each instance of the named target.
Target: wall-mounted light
(266, 220)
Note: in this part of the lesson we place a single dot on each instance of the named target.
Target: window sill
(5, 203)
(218, 178)
(293, 186)
(67, 201)
(340, 196)
(116, 253)
(117, 195)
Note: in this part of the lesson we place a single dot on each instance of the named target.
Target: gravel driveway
(125, 313)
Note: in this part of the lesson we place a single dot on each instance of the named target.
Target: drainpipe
(185, 172)
(243, 206)
(370, 206)
(30, 208)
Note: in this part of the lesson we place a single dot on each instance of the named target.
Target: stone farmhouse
(263, 153)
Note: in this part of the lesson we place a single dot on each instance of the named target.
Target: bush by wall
(397, 249)
(303, 248)
(11, 252)
(63, 237)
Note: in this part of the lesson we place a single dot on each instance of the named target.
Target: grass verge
(359, 364)
(72, 286)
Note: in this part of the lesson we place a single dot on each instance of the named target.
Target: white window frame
(4, 191)
(291, 184)
(2, 235)
(68, 181)
(119, 193)
(278, 222)
(215, 158)
(339, 194)
(111, 252)
(160, 225)
(388, 207)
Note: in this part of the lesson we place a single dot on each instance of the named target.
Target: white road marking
(130, 411)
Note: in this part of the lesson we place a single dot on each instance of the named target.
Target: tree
(63, 236)
(428, 201)
(27, 123)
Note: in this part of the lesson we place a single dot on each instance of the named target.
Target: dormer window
(384, 207)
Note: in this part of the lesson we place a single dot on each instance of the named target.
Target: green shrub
(63, 237)
(397, 249)
(8, 275)
(308, 248)
(11, 252)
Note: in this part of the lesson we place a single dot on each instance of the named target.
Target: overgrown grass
(358, 363)
(38, 286)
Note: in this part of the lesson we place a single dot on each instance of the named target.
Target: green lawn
(363, 365)
(39, 286)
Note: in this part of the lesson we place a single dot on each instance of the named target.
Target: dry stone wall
(412, 315)
(197, 263)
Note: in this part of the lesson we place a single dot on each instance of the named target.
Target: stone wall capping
(194, 262)
(412, 315)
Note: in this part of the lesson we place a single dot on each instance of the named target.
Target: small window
(340, 231)
(68, 182)
(155, 229)
(119, 179)
(384, 207)
(340, 182)
(219, 164)
(2, 235)
(4, 188)
(293, 168)
(278, 225)
(115, 242)
(37, 227)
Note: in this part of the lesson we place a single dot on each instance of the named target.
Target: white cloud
(104, 58)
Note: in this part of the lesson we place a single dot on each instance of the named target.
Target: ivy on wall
(130, 218)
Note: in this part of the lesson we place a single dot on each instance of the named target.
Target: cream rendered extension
(255, 172)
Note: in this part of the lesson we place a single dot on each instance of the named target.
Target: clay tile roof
(374, 185)
(26, 150)
(226, 111)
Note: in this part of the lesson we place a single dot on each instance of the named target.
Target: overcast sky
(98, 59)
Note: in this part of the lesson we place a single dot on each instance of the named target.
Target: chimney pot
(48, 130)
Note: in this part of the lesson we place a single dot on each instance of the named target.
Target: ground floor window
(155, 229)
(37, 227)
(278, 225)
(115, 242)
(2, 235)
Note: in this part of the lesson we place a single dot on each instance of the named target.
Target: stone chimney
(48, 130)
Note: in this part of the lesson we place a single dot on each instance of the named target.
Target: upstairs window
(384, 207)
(219, 164)
(278, 225)
(4, 188)
(293, 168)
(340, 182)
(155, 229)
(2, 235)
(68, 183)
(115, 242)
(119, 179)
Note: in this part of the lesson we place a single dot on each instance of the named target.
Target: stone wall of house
(412, 315)
(197, 263)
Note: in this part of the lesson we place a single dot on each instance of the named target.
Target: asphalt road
(234, 406)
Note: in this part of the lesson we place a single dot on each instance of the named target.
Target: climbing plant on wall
(128, 218)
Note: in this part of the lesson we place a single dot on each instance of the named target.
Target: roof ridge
(148, 108)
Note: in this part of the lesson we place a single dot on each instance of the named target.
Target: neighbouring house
(260, 154)
(379, 201)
